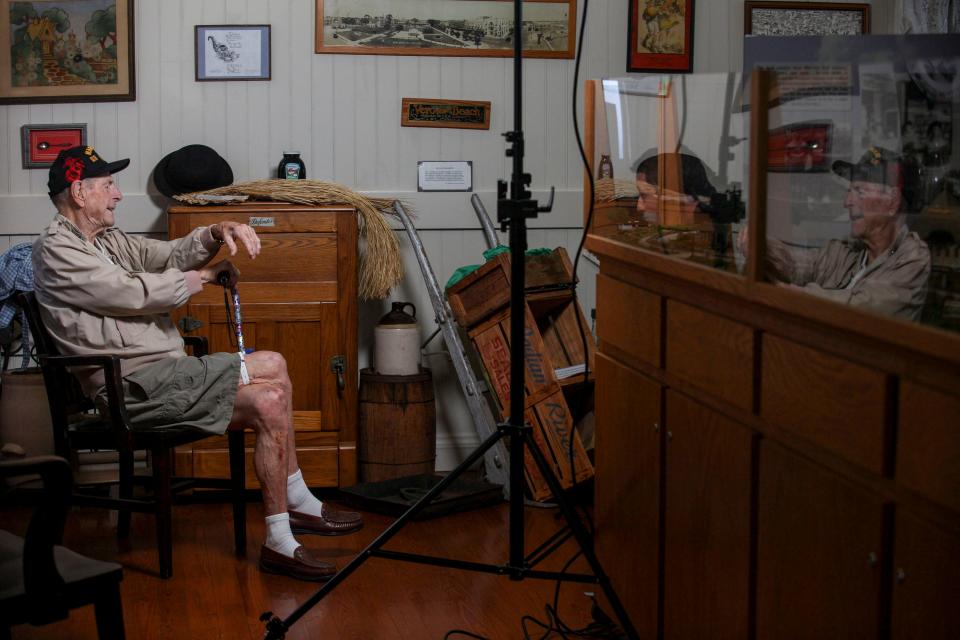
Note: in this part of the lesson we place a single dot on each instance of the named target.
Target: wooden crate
(548, 415)
(552, 340)
(487, 290)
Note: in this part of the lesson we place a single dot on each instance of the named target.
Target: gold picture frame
(66, 51)
(445, 28)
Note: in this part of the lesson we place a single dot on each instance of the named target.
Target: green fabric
(489, 254)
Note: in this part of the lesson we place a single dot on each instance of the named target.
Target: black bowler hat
(78, 163)
(195, 167)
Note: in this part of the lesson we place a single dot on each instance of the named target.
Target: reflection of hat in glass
(693, 173)
(195, 167)
(877, 165)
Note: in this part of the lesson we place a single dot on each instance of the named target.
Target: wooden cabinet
(628, 490)
(706, 523)
(926, 591)
(804, 480)
(819, 543)
(298, 298)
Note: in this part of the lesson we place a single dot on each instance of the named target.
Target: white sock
(279, 536)
(299, 497)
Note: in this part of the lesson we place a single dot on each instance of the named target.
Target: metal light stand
(512, 212)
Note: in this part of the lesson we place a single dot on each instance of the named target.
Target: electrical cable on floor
(460, 632)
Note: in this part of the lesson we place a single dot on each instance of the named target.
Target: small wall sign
(435, 112)
(445, 176)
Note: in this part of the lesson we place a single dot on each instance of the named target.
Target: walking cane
(224, 279)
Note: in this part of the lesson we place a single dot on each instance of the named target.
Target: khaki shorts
(182, 392)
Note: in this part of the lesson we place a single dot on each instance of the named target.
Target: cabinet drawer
(628, 319)
(713, 353)
(928, 443)
(835, 403)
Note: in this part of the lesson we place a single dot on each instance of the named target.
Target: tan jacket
(894, 284)
(94, 306)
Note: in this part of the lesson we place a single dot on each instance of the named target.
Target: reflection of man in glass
(884, 266)
(696, 188)
(694, 201)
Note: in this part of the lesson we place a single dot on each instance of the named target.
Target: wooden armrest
(198, 344)
(112, 379)
(40, 575)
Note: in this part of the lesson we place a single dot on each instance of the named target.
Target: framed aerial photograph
(66, 51)
(806, 18)
(232, 52)
(660, 36)
(40, 144)
(445, 27)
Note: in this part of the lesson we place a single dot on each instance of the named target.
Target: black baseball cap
(877, 165)
(79, 163)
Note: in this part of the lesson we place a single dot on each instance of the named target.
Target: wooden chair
(41, 581)
(77, 426)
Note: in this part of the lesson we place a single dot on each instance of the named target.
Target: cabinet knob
(900, 575)
(872, 559)
(656, 427)
(669, 434)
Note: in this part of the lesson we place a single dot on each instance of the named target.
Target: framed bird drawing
(232, 52)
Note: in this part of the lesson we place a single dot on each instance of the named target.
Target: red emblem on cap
(74, 170)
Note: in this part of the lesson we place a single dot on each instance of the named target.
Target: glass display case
(859, 164)
(670, 157)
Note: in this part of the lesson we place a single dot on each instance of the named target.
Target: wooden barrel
(398, 429)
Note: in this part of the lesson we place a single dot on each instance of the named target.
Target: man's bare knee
(270, 366)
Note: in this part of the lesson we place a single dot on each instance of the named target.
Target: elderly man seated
(102, 291)
(883, 266)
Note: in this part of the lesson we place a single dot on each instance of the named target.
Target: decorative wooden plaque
(434, 112)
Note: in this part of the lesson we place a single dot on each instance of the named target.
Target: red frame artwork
(41, 143)
(660, 38)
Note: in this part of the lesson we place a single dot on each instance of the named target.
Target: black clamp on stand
(512, 212)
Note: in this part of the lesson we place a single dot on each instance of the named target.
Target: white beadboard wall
(343, 113)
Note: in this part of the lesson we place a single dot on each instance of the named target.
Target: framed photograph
(445, 27)
(660, 36)
(806, 18)
(232, 52)
(66, 51)
(41, 143)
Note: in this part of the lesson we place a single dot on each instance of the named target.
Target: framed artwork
(660, 36)
(806, 18)
(232, 52)
(445, 27)
(66, 51)
(41, 143)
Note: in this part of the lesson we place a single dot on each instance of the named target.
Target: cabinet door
(818, 549)
(628, 442)
(926, 581)
(706, 523)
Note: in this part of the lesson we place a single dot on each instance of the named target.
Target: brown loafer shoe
(304, 565)
(328, 523)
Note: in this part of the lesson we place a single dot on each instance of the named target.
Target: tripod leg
(583, 537)
(276, 628)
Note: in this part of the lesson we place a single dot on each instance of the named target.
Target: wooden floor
(214, 594)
